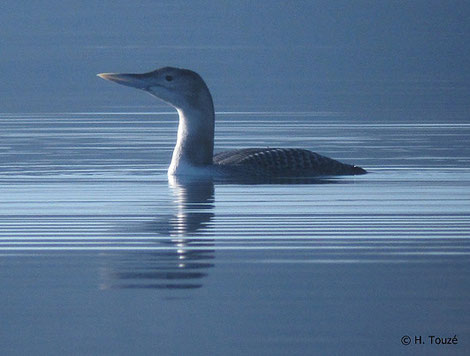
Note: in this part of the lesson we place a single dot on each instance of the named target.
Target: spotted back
(286, 162)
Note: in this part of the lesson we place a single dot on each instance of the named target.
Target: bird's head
(181, 88)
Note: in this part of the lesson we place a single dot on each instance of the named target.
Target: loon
(187, 92)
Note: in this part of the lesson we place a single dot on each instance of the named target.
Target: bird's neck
(195, 141)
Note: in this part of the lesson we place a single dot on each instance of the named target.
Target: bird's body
(193, 153)
(283, 162)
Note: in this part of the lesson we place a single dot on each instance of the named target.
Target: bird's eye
(169, 78)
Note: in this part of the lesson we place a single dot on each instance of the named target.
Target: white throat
(195, 141)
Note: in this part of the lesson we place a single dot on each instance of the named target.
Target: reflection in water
(194, 201)
(184, 261)
(184, 258)
(178, 269)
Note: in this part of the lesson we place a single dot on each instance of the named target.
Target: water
(102, 254)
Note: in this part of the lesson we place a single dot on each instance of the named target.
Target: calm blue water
(101, 254)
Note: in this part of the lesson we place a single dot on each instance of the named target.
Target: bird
(193, 155)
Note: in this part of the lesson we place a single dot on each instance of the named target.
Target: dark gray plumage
(284, 162)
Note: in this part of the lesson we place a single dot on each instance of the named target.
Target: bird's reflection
(185, 257)
(179, 269)
(194, 202)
